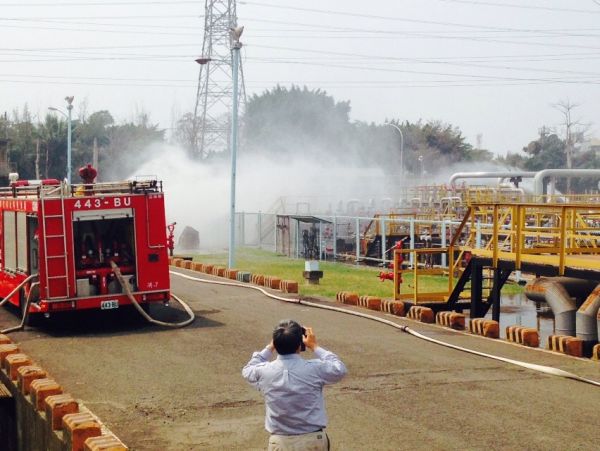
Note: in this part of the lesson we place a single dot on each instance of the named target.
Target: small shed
(301, 236)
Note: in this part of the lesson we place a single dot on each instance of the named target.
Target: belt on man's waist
(301, 433)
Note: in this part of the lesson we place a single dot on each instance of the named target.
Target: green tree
(283, 121)
(547, 152)
(127, 147)
(90, 134)
(53, 136)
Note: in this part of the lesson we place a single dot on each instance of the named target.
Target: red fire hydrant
(171, 238)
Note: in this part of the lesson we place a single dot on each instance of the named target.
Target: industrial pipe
(586, 317)
(490, 175)
(541, 176)
(563, 306)
(561, 294)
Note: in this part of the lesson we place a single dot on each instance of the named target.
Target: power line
(403, 60)
(310, 27)
(503, 57)
(513, 5)
(328, 27)
(411, 84)
(103, 3)
(529, 33)
(63, 22)
(386, 18)
(423, 35)
(116, 31)
(418, 60)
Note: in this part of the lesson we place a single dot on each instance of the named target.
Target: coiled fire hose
(532, 366)
(139, 308)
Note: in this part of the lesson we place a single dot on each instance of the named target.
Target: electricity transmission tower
(211, 126)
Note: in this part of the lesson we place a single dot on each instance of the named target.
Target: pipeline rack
(547, 239)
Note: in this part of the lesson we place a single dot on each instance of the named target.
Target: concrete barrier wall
(36, 415)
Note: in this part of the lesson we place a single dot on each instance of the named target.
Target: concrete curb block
(289, 286)
(40, 389)
(231, 274)
(370, 302)
(5, 350)
(27, 374)
(207, 269)
(12, 362)
(526, 336)
(46, 418)
(596, 352)
(393, 307)
(272, 282)
(104, 443)
(347, 297)
(452, 320)
(78, 427)
(565, 344)
(420, 313)
(57, 406)
(275, 283)
(218, 271)
(484, 327)
(244, 276)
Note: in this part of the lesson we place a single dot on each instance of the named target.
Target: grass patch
(336, 276)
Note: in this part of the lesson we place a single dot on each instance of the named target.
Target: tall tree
(297, 120)
(574, 129)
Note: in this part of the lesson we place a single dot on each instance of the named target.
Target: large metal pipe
(561, 294)
(541, 176)
(587, 317)
(557, 297)
(490, 175)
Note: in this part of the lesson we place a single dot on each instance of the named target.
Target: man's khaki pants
(314, 441)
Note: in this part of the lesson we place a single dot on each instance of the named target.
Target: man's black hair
(287, 337)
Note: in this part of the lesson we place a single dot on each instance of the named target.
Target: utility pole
(236, 45)
(37, 158)
(211, 127)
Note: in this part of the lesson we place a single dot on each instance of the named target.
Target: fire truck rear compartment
(98, 240)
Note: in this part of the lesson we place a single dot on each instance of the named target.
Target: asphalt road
(161, 389)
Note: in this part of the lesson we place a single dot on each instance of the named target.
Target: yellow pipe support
(496, 248)
(563, 244)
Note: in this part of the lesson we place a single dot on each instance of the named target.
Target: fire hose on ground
(125, 286)
(25, 307)
(532, 366)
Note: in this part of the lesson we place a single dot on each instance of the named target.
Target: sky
(493, 68)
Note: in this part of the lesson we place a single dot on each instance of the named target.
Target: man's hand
(271, 346)
(310, 340)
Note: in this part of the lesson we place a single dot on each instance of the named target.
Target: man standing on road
(293, 387)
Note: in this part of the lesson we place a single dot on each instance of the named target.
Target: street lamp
(202, 61)
(236, 45)
(401, 146)
(69, 100)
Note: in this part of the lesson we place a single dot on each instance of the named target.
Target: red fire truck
(57, 242)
